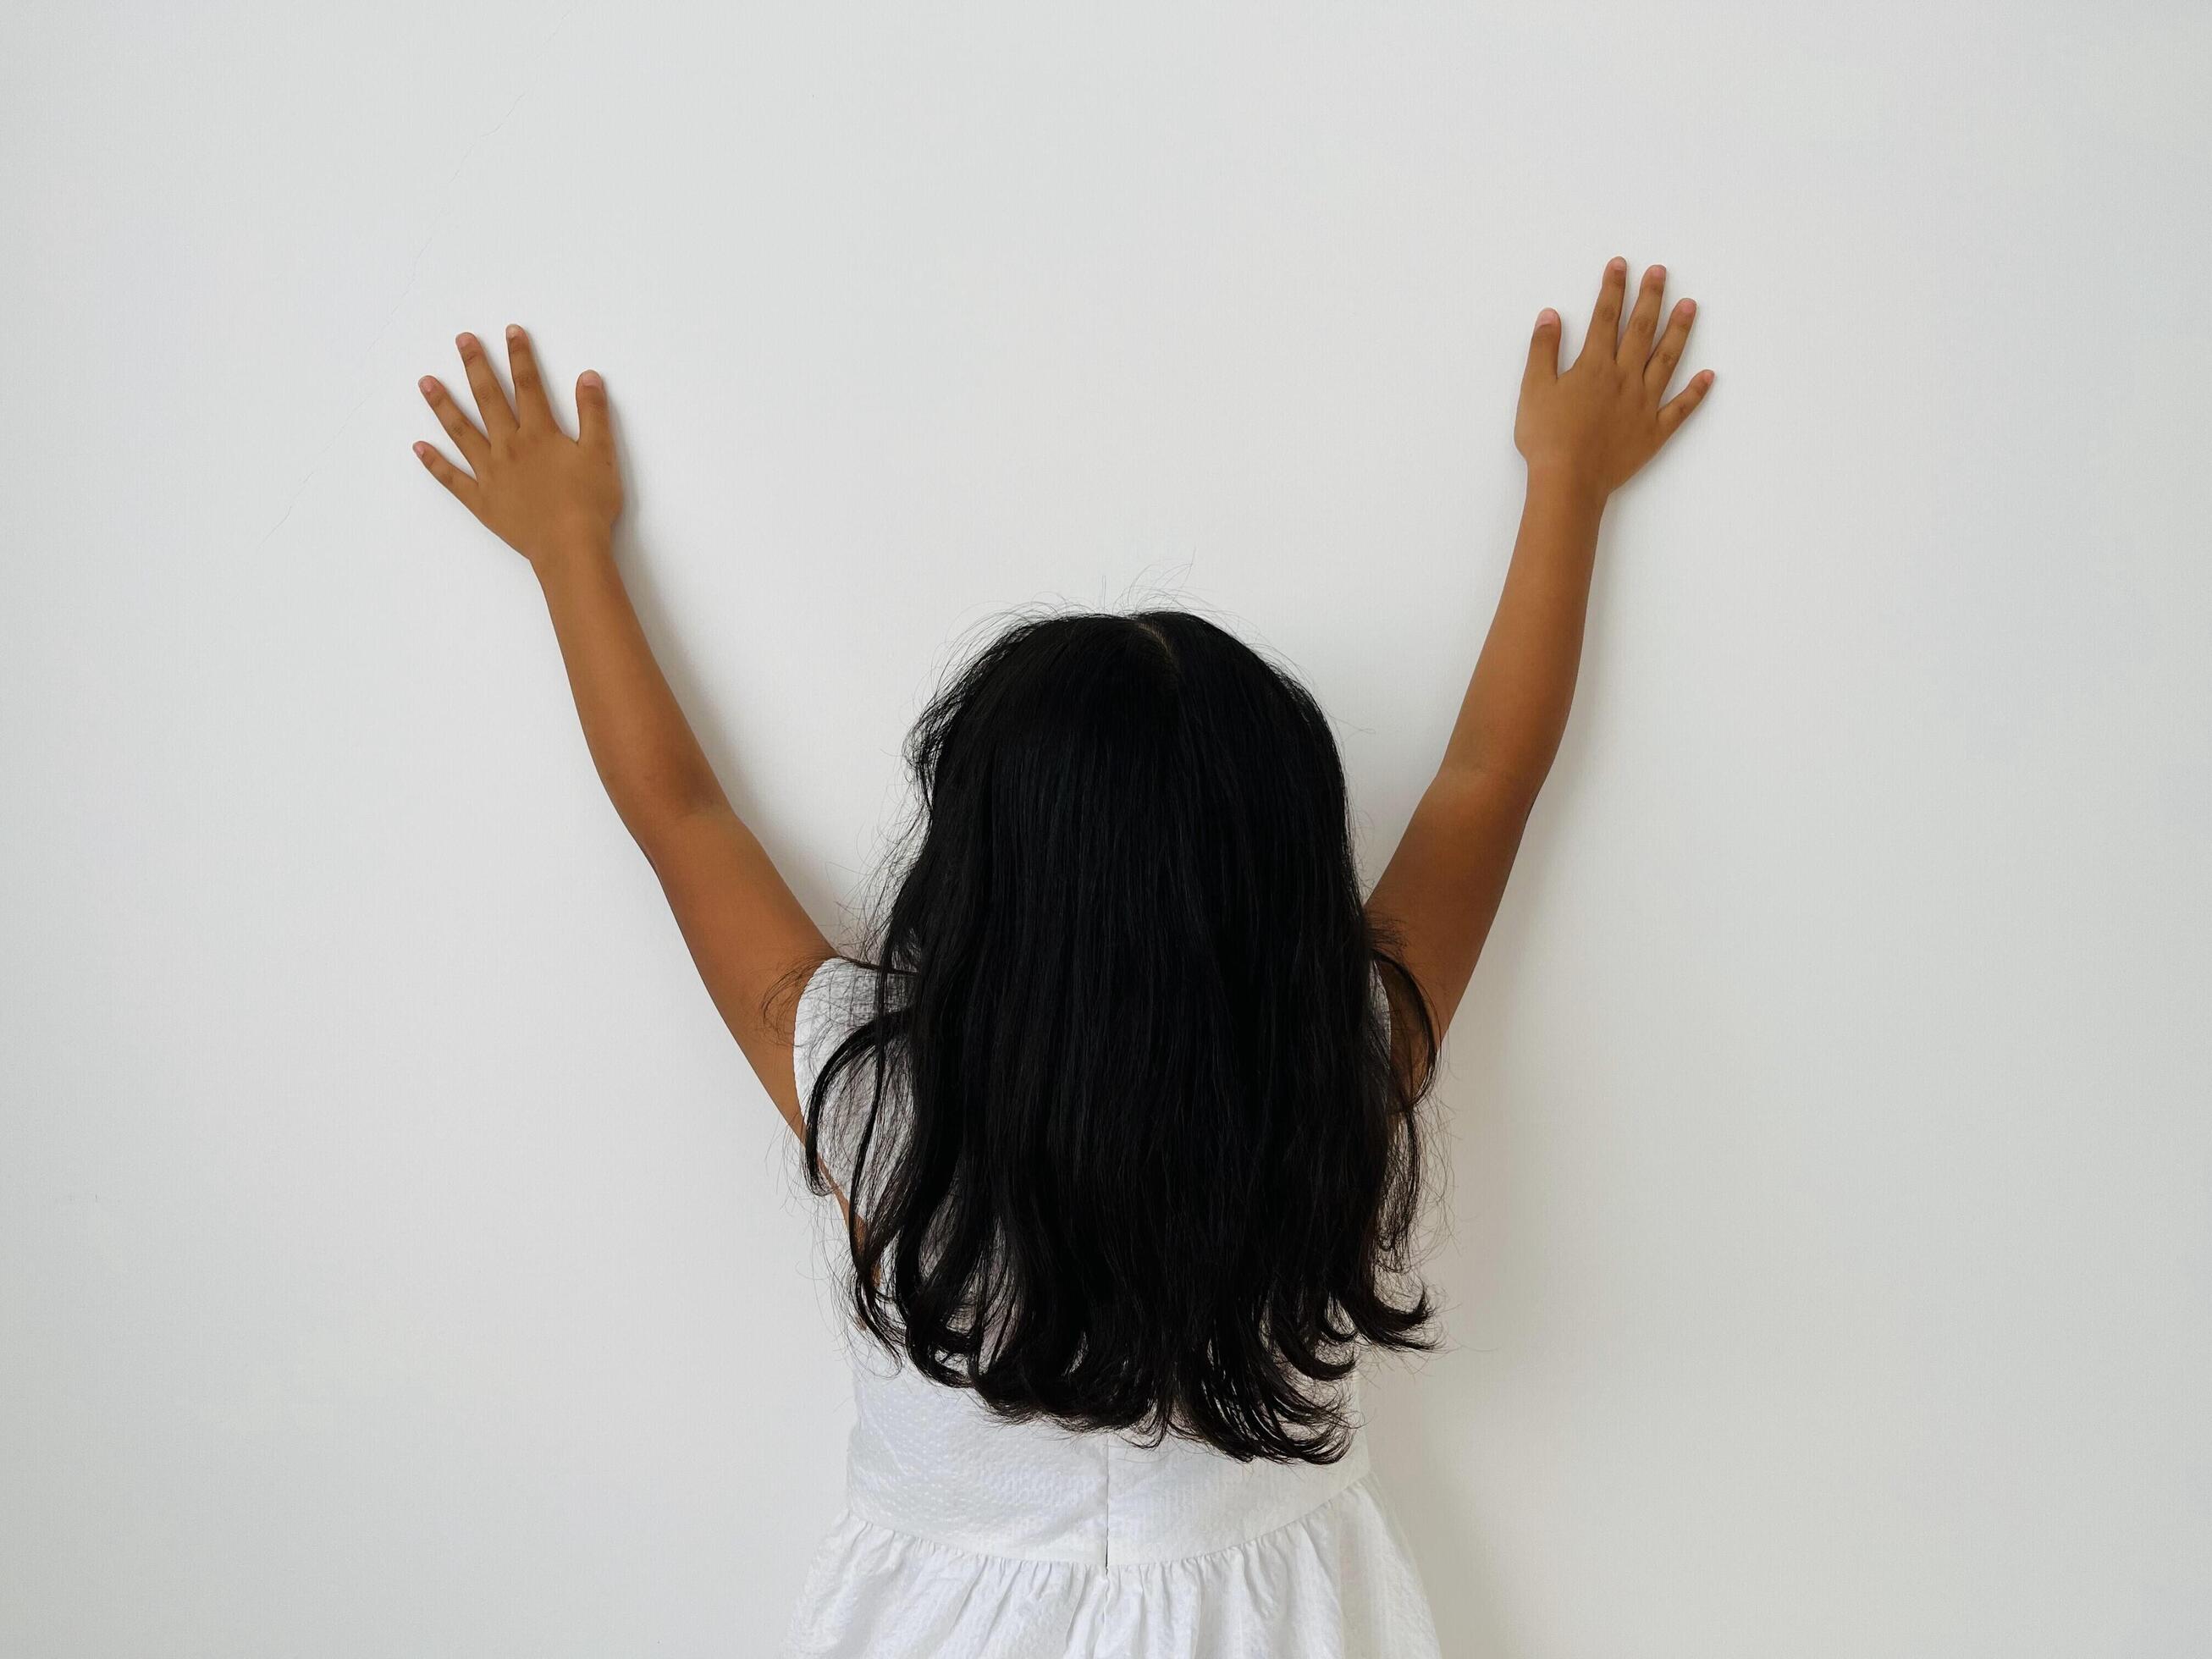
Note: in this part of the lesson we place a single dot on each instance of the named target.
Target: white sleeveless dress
(963, 1536)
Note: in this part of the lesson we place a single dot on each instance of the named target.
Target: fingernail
(591, 379)
(514, 331)
(1617, 264)
(1658, 272)
(1547, 317)
(428, 385)
(464, 341)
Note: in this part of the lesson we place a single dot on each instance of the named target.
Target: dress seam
(1106, 1461)
(939, 1544)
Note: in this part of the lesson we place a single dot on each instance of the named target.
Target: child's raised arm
(555, 500)
(1583, 434)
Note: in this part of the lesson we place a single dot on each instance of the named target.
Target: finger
(462, 430)
(1643, 321)
(464, 488)
(592, 428)
(1660, 369)
(1605, 319)
(531, 403)
(1544, 348)
(1677, 410)
(491, 401)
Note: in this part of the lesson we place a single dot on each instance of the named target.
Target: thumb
(592, 429)
(1544, 348)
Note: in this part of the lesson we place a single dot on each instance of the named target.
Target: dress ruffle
(1334, 1583)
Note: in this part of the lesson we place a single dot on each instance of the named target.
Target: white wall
(396, 1257)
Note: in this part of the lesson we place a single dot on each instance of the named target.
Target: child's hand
(1595, 425)
(535, 487)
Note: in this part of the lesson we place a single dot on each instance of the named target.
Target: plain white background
(396, 1257)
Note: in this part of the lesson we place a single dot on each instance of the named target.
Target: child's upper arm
(752, 940)
(1440, 890)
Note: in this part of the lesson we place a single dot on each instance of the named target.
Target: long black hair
(1136, 1154)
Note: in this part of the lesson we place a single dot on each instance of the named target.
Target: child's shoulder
(839, 994)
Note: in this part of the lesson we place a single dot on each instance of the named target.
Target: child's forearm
(652, 765)
(1515, 709)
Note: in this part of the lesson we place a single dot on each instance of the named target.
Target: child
(1123, 1116)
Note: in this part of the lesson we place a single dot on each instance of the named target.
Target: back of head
(1155, 1169)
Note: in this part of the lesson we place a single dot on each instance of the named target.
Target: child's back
(966, 1534)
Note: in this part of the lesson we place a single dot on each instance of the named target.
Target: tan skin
(555, 500)
(1583, 433)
